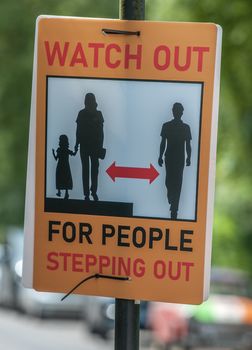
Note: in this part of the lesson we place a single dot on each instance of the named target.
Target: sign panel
(122, 158)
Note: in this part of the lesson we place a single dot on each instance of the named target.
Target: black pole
(132, 9)
(127, 311)
(126, 324)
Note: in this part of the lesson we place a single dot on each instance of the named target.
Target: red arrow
(132, 173)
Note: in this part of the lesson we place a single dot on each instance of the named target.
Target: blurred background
(164, 326)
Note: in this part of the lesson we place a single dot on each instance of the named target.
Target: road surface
(19, 332)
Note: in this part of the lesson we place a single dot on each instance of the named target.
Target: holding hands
(54, 155)
(160, 161)
(188, 161)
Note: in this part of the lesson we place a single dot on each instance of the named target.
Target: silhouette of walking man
(176, 137)
(89, 135)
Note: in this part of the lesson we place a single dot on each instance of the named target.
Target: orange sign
(122, 158)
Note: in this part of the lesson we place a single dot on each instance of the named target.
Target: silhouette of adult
(175, 138)
(89, 135)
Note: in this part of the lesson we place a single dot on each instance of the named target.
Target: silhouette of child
(63, 172)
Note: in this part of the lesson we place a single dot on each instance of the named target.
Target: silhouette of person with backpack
(63, 172)
(175, 139)
(89, 135)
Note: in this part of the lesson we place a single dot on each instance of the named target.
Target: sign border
(140, 80)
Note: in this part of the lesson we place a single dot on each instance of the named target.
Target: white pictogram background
(133, 112)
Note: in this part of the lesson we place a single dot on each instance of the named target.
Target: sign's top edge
(42, 17)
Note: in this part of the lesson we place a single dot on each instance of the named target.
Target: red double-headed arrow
(115, 171)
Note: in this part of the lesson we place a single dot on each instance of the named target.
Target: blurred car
(169, 324)
(100, 315)
(225, 319)
(29, 301)
(44, 305)
(2, 296)
(11, 254)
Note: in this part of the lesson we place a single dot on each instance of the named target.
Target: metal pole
(126, 324)
(127, 311)
(132, 9)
